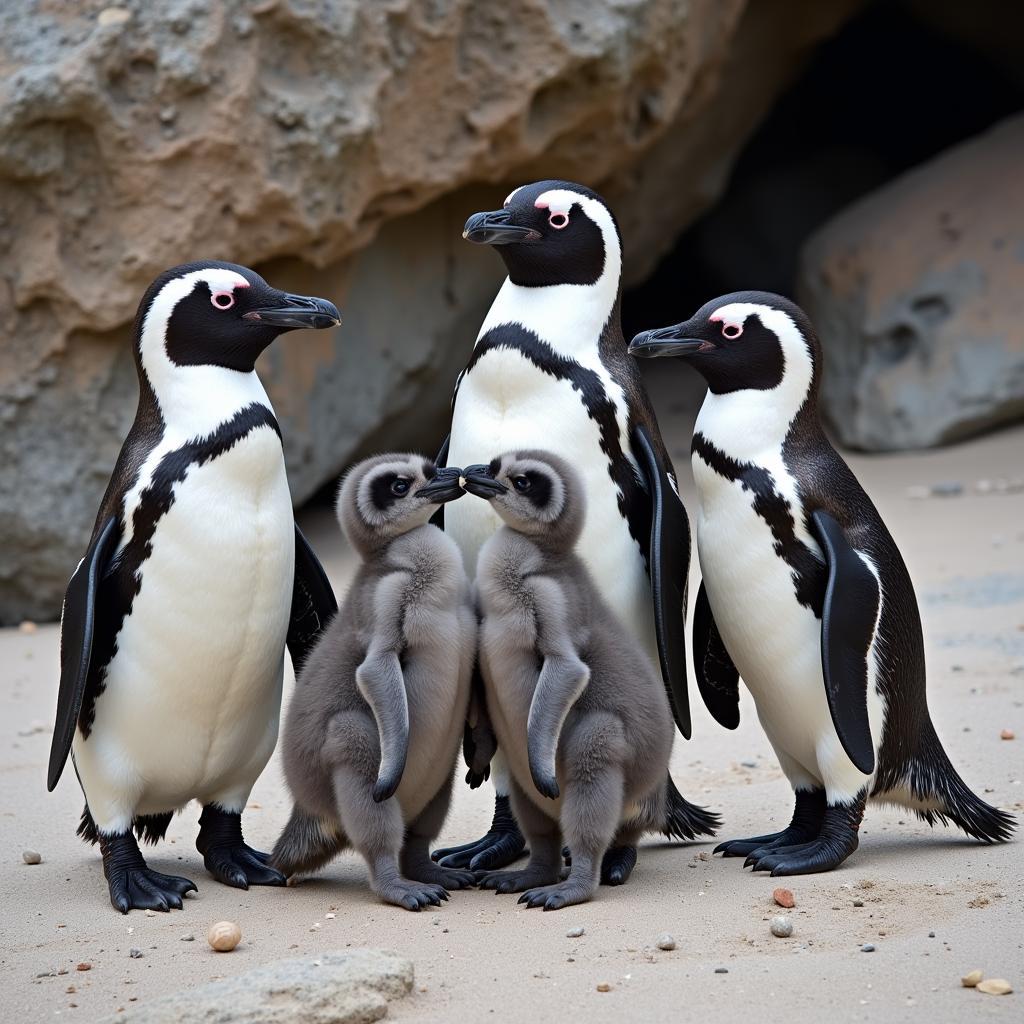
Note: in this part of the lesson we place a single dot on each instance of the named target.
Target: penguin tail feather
(932, 788)
(306, 844)
(150, 828)
(87, 827)
(684, 820)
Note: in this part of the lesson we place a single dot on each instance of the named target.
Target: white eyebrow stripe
(558, 200)
(508, 198)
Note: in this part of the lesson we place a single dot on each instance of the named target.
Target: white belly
(774, 641)
(507, 403)
(193, 693)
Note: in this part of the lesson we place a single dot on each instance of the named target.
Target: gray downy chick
(575, 704)
(373, 730)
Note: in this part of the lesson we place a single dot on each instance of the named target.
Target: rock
(574, 933)
(994, 987)
(31, 856)
(188, 938)
(868, 947)
(224, 936)
(784, 898)
(123, 147)
(781, 926)
(603, 986)
(971, 979)
(135, 953)
(338, 987)
(904, 283)
(666, 942)
(858, 903)
(721, 970)
(1007, 734)
(84, 966)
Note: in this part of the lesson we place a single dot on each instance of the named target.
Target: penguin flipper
(669, 563)
(847, 628)
(717, 677)
(441, 462)
(77, 623)
(313, 602)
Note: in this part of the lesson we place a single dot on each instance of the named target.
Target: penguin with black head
(175, 622)
(805, 594)
(550, 370)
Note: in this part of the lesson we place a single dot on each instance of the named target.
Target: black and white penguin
(175, 622)
(550, 370)
(805, 594)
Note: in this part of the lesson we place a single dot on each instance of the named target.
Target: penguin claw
(240, 866)
(497, 849)
(144, 889)
(555, 897)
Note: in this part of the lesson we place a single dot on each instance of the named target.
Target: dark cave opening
(901, 82)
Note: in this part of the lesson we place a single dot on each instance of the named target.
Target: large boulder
(336, 987)
(334, 147)
(916, 294)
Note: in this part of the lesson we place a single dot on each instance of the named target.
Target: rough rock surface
(334, 147)
(340, 987)
(916, 293)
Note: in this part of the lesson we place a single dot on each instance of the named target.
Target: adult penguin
(175, 621)
(550, 370)
(804, 594)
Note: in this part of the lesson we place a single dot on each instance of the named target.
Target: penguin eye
(558, 220)
(732, 331)
(521, 483)
(400, 486)
(223, 300)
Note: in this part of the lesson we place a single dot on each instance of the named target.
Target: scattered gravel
(31, 856)
(721, 970)
(135, 953)
(784, 898)
(666, 942)
(603, 986)
(188, 938)
(85, 966)
(868, 947)
(858, 903)
(972, 978)
(1007, 734)
(781, 926)
(575, 933)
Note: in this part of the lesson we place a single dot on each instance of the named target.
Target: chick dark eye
(521, 484)
(731, 331)
(222, 300)
(400, 487)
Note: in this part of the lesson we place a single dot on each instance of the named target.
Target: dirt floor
(933, 904)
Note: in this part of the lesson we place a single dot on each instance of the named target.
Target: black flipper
(78, 620)
(717, 677)
(847, 627)
(441, 462)
(669, 562)
(313, 602)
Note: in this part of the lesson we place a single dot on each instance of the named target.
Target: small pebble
(135, 953)
(84, 967)
(858, 903)
(574, 933)
(113, 16)
(868, 947)
(603, 986)
(1007, 734)
(31, 856)
(721, 970)
(666, 942)
(994, 987)
(150, 913)
(971, 979)
(749, 764)
(931, 935)
(188, 938)
(781, 927)
(784, 898)
(224, 936)
(330, 917)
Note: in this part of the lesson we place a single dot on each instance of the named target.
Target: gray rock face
(341, 987)
(916, 294)
(334, 147)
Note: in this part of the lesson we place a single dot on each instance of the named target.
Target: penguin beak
(296, 311)
(667, 341)
(478, 480)
(444, 486)
(496, 228)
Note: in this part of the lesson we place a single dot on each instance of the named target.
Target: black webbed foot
(133, 885)
(227, 856)
(617, 864)
(837, 840)
(502, 844)
(808, 816)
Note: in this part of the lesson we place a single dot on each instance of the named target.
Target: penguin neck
(568, 317)
(748, 423)
(193, 401)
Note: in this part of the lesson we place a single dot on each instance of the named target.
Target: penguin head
(219, 314)
(552, 233)
(742, 341)
(388, 495)
(534, 492)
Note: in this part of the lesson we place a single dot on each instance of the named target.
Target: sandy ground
(934, 904)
